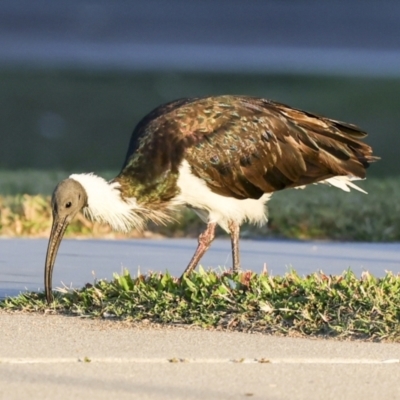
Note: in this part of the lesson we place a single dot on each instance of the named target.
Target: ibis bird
(223, 157)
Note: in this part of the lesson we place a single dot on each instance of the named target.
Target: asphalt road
(82, 261)
(264, 36)
(299, 23)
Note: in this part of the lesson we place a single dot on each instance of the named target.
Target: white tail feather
(344, 183)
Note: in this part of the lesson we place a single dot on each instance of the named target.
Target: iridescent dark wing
(242, 146)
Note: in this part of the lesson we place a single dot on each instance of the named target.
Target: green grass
(36, 181)
(317, 212)
(33, 182)
(316, 305)
(320, 212)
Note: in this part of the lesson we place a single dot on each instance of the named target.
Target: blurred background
(77, 75)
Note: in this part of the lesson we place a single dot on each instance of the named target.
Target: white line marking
(177, 360)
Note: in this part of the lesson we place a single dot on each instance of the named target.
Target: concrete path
(56, 357)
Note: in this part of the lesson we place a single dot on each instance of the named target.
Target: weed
(343, 306)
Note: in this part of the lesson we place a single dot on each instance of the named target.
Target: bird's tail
(344, 182)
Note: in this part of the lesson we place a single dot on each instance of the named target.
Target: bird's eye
(68, 205)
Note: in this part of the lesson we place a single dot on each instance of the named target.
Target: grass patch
(317, 212)
(342, 306)
(35, 181)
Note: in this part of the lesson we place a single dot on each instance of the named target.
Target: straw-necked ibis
(223, 157)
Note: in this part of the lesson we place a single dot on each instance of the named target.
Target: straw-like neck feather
(105, 204)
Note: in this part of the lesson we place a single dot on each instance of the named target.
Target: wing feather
(242, 146)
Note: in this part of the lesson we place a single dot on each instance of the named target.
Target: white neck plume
(105, 203)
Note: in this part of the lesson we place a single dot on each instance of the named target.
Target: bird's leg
(234, 229)
(205, 240)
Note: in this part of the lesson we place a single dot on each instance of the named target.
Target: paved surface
(82, 261)
(303, 23)
(303, 36)
(43, 357)
(47, 357)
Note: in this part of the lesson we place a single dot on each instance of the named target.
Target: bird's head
(68, 199)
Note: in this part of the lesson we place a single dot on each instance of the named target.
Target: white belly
(216, 208)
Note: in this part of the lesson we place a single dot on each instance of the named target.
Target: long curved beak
(56, 235)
